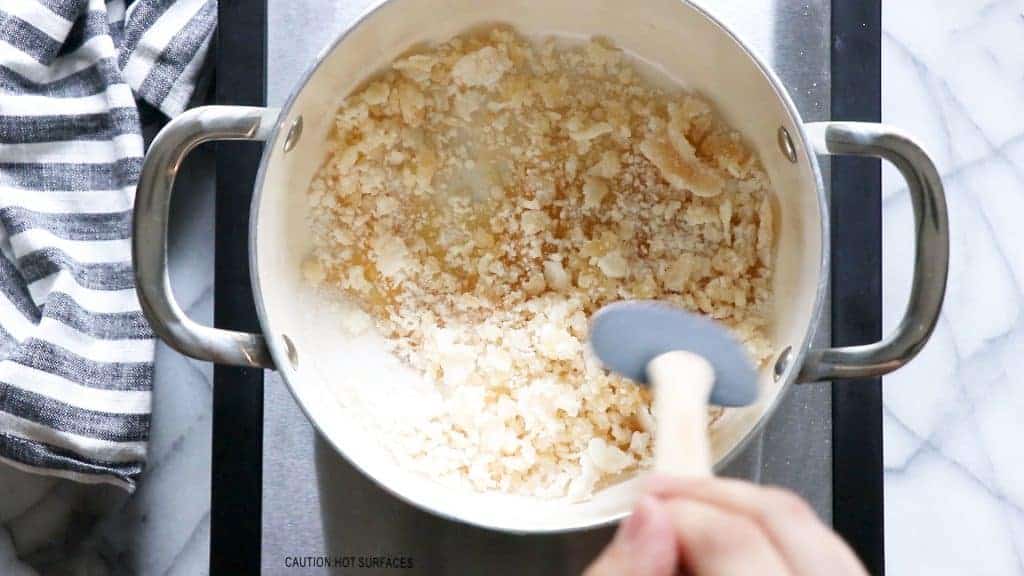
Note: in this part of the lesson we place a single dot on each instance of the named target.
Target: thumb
(644, 545)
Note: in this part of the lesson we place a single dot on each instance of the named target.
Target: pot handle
(149, 232)
(931, 262)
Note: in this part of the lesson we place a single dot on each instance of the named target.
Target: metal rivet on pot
(783, 362)
(786, 144)
(294, 133)
(289, 348)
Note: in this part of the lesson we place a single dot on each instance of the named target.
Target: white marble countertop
(953, 75)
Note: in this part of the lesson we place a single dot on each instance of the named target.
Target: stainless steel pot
(300, 341)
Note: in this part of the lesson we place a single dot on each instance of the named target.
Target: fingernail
(634, 526)
(658, 484)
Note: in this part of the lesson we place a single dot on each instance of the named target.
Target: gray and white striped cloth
(76, 353)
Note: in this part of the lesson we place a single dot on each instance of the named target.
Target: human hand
(713, 526)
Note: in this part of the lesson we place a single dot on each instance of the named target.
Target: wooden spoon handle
(682, 384)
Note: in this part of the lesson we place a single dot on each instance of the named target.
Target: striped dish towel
(76, 353)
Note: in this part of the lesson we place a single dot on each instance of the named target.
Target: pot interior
(322, 364)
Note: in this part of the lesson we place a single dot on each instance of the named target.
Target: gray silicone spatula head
(627, 335)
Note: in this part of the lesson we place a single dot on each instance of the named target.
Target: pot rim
(788, 378)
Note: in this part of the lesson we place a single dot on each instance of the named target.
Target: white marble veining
(953, 75)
